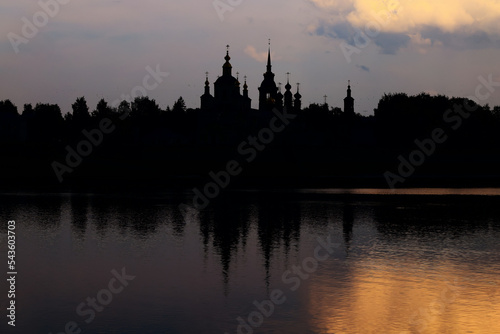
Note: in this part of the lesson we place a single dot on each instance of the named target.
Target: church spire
(227, 68)
(349, 101)
(288, 94)
(297, 102)
(207, 85)
(288, 86)
(245, 88)
(269, 57)
(268, 90)
(207, 99)
(297, 95)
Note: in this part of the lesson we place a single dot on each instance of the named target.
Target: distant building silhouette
(227, 95)
(349, 101)
(207, 100)
(279, 98)
(297, 103)
(270, 95)
(268, 91)
(288, 94)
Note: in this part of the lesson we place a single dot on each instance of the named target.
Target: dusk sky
(101, 48)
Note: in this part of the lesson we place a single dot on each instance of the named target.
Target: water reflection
(406, 264)
(347, 224)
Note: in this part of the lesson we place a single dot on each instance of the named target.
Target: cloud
(363, 67)
(390, 43)
(340, 6)
(259, 56)
(462, 24)
(402, 16)
(341, 30)
(461, 40)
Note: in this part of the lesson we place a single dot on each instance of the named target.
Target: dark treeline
(417, 140)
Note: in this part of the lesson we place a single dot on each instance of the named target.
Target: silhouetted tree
(496, 112)
(9, 121)
(336, 111)
(402, 118)
(143, 108)
(7, 107)
(28, 110)
(68, 118)
(103, 110)
(124, 110)
(150, 142)
(81, 116)
(179, 105)
(47, 123)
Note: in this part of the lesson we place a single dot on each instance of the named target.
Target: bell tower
(268, 90)
(349, 101)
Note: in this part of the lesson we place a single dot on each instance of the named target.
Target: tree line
(151, 143)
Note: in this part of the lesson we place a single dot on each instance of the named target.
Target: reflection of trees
(80, 206)
(40, 212)
(226, 222)
(136, 216)
(347, 224)
(423, 216)
(278, 224)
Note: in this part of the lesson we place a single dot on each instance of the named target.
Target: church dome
(227, 80)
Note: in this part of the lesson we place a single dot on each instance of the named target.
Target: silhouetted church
(268, 91)
(349, 101)
(227, 95)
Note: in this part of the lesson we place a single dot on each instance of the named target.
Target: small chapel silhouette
(227, 95)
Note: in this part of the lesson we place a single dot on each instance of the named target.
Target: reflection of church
(227, 95)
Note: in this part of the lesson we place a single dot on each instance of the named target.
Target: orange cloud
(258, 56)
(407, 16)
(252, 52)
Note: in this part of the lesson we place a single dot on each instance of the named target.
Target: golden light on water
(384, 296)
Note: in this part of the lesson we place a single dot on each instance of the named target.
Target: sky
(109, 48)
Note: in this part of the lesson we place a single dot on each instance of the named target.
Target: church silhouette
(228, 97)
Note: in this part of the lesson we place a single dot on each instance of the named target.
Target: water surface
(398, 263)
